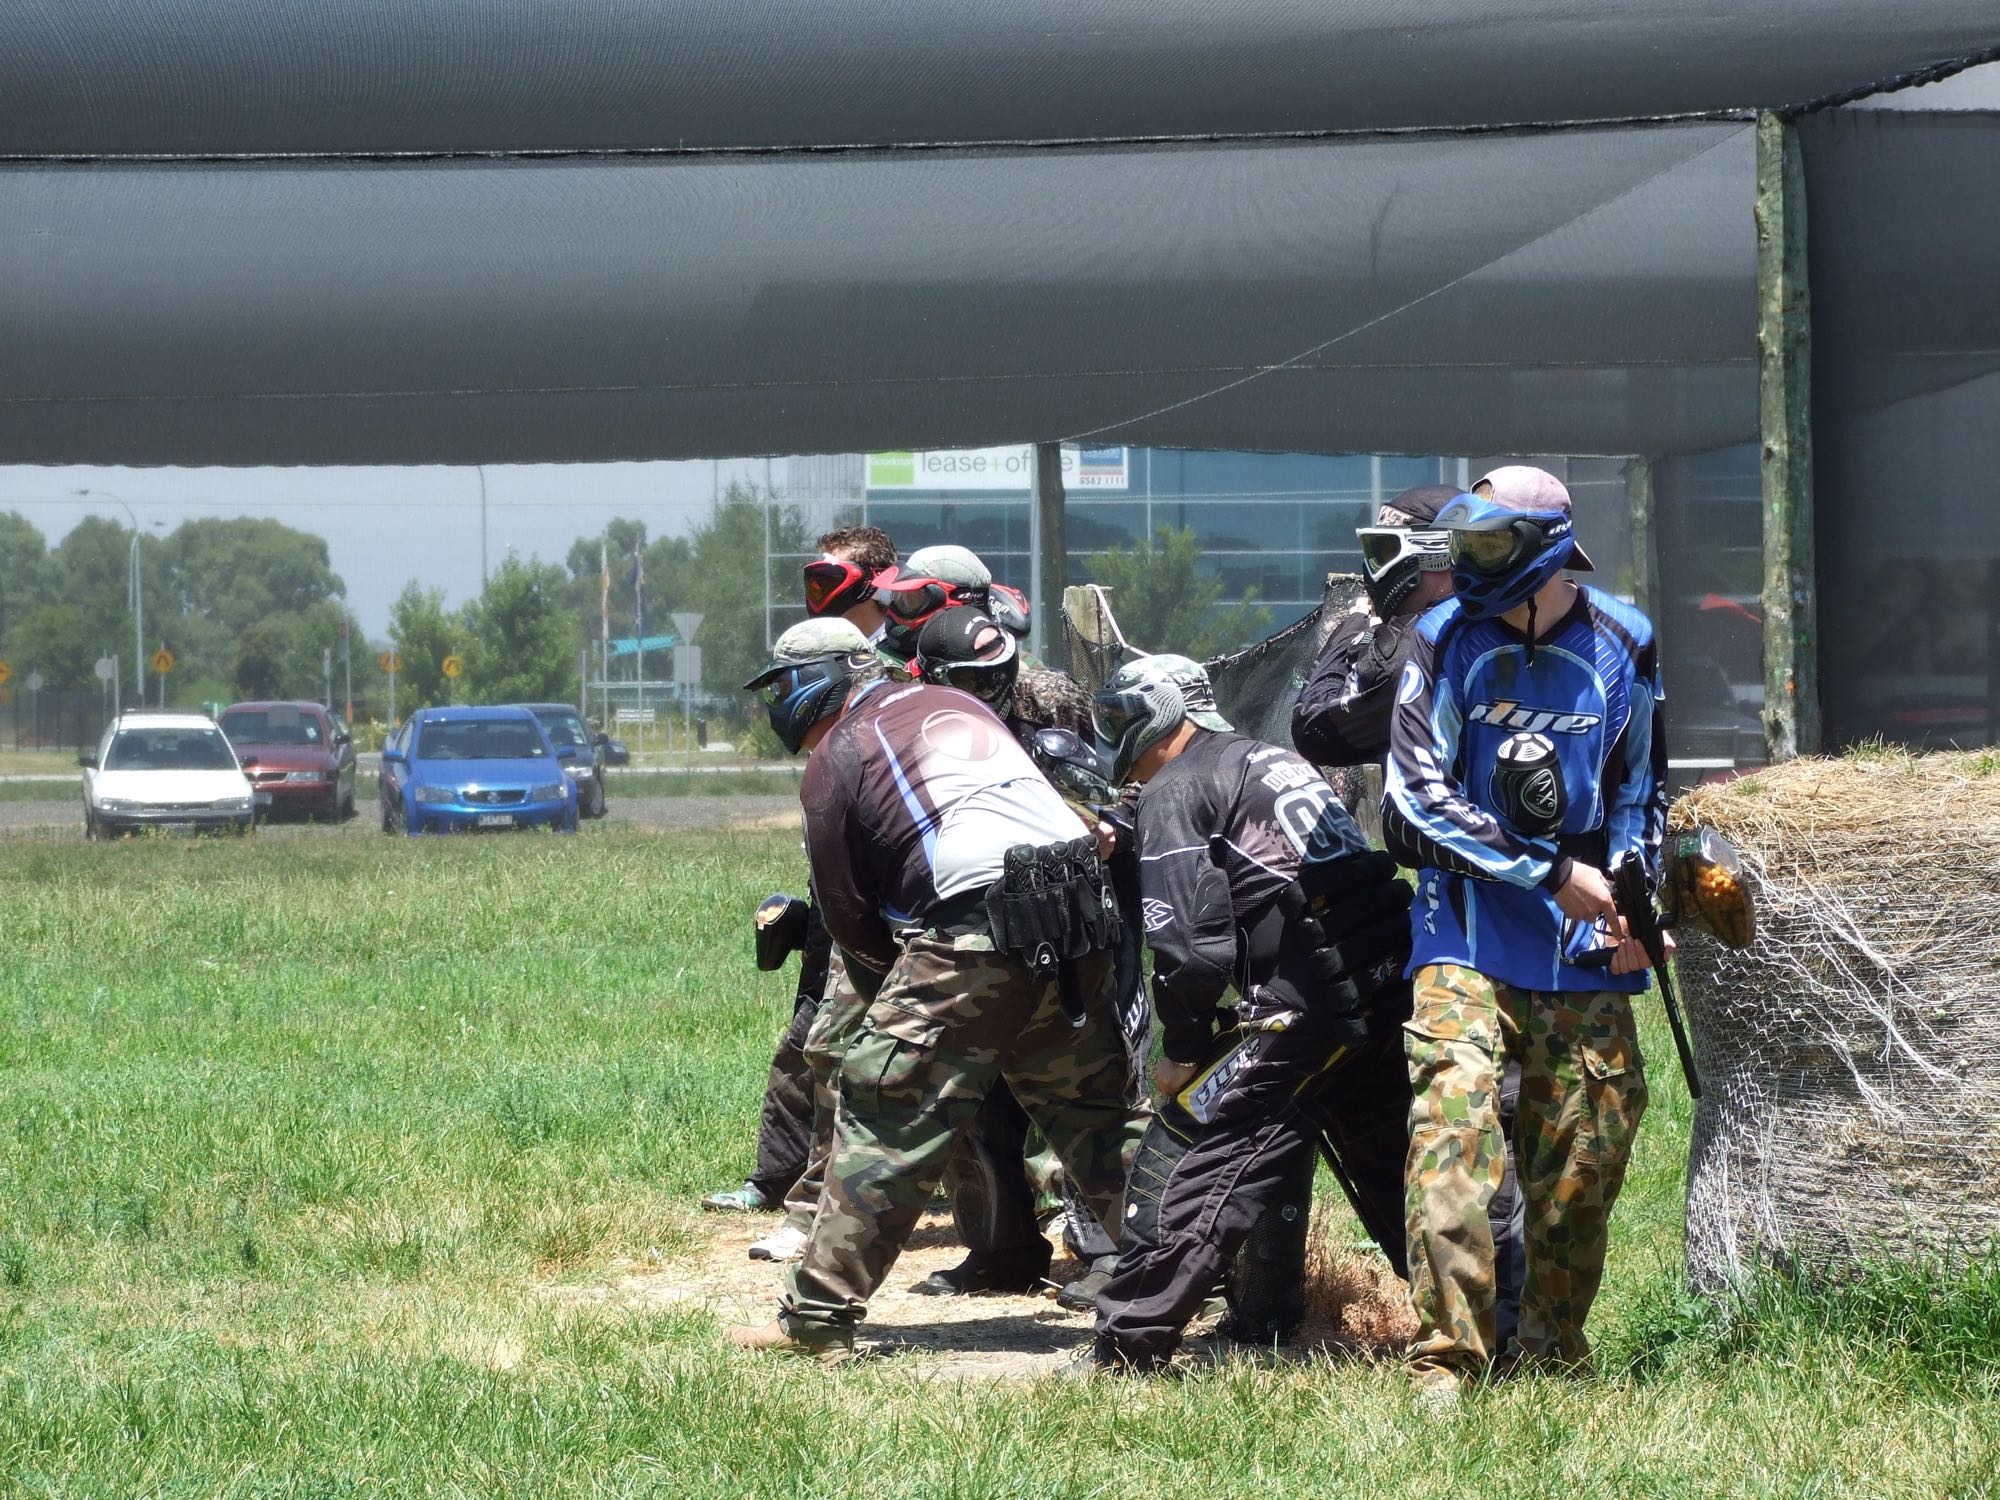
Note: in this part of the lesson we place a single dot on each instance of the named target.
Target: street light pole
(483, 575)
(135, 593)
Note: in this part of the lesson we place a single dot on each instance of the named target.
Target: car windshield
(168, 750)
(564, 729)
(271, 726)
(481, 739)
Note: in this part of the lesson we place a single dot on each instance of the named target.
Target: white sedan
(167, 771)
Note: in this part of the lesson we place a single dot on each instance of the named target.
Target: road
(660, 814)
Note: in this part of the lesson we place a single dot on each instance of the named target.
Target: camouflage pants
(1583, 1089)
(952, 1018)
(839, 1018)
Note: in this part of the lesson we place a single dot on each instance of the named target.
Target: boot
(773, 1338)
(1012, 1274)
(1080, 1295)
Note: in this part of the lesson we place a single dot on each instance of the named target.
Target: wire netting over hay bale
(1850, 1059)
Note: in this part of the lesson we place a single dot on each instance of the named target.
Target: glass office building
(1271, 525)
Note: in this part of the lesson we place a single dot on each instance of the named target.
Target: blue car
(454, 770)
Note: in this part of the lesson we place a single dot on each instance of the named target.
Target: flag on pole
(639, 593)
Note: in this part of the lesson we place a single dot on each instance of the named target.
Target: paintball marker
(1703, 882)
(781, 929)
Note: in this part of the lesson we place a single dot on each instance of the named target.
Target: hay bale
(1850, 1059)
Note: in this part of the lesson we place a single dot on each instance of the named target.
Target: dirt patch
(1356, 1306)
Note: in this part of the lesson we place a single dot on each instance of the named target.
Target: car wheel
(90, 828)
(387, 825)
(596, 798)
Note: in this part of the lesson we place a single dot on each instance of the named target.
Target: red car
(304, 759)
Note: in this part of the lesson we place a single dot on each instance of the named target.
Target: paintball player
(1342, 716)
(839, 586)
(968, 650)
(1251, 875)
(1341, 722)
(1526, 756)
(968, 902)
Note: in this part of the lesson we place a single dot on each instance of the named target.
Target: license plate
(496, 820)
(263, 799)
(178, 827)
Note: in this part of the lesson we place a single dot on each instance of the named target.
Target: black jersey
(1222, 829)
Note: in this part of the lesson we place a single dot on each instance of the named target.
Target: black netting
(1256, 687)
(1709, 523)
(235, 76)
(1582, 292)
(1906, 395)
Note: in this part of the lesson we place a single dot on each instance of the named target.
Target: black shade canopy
(253, 76)
(1585, 291)
(1588, 289)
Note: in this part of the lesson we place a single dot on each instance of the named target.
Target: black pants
(785, 1130)
(992, 1198)
(1196, 1190)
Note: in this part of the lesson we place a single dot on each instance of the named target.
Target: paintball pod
(1703, 881)
(1075, 771)
(781, 929)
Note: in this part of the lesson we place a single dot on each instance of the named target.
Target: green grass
(312, 1152)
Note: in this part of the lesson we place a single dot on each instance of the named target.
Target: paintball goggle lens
(1114, 714)
(1495, 551)
(913, 602)
(834, 586)
(1382, 547)
(988, 683)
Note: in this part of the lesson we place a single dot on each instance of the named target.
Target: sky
(386, 526)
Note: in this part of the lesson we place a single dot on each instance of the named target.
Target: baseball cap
(1532, 491)
(1416, 507)
(959, 566)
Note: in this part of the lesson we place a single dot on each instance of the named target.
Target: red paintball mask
(834, 586)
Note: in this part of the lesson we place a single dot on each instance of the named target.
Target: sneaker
(774, 1338)
(1080, 1295)
(744, 1200)
(782, 1243)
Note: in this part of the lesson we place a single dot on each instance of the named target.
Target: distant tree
(216, 579)
(523, 640)
(283, 655)
(424, 634)
(89, 570)
(23, 551)
(723, 581)
(666, 560)
(58, 641)
(1164, 604)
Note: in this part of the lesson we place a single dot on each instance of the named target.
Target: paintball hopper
(1704, 884)
(781, 929)
(1074, 769)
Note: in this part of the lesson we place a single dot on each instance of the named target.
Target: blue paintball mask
(1506, 545)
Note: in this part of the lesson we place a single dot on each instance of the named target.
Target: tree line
(249, 606)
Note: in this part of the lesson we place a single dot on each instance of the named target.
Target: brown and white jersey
(914, 797)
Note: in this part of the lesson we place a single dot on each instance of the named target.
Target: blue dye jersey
(1589, 692)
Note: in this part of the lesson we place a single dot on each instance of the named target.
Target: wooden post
(1645, 538)
(1784, 343)
(1052, 557)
